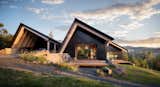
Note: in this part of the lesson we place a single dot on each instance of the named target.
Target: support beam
(16, 41)
(27, 38)
(106, 47)
(48, 45)
(55, 47)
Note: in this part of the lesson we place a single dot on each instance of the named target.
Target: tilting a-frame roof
(25, 37)
(80, 35)
(86, 27)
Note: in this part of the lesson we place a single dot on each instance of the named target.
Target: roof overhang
(118, 46)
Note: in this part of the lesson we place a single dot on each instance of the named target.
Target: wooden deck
(89, 63)
(121, 62)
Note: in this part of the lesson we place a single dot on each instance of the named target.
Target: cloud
(42, 13)
(13, 6)
(36, 10)
(49, 15)
(136, 11)
(131, 26)
(119, 34)
(52, 1)
(157, 34)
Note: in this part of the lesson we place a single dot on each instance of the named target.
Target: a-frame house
(85, 42)
(81, 42)
(28, 38)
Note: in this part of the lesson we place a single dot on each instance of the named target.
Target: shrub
(104, 71)
(100, 72)
(65, 66)
(155, 63)
(29, 56)
(140, 62)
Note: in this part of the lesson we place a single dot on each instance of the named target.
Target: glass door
(85, 51)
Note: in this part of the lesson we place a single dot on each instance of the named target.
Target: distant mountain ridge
(137, 50)
(153, 42)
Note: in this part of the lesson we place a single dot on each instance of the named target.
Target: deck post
(48, 45)
(106, 47)
(55, 47)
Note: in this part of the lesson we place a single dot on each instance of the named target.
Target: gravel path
(18, 64)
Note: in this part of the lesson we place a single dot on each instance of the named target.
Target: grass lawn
(13, 78)
(140, 75)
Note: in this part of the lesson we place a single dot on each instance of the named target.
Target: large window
(86, 51)
(112, 55)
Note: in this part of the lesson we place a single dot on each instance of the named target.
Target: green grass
(29, 56)
(67, 67)
(13, 78)
(140, 75)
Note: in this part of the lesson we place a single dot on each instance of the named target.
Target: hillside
(140, 75)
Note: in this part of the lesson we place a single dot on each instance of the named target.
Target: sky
(121, 19)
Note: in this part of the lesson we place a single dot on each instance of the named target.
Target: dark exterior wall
(83, 37)
(33, 42)
(115, 50)
(52, 47)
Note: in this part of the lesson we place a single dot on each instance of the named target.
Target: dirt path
(18, 64)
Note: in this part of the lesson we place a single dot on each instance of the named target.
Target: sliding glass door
(85, 51)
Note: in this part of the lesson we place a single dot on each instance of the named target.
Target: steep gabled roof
(34, 32)
(94, 29)
(86, 27)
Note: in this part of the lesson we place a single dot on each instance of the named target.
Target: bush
(65, 66)
(100, 72)
(5, 39)
(28, 56)
(140, 62)
(104, 71)
(155, 63)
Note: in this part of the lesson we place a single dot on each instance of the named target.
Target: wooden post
(48, 45)
(106, 46)
(55, 47)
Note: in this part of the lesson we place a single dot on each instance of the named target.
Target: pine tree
(51, 34)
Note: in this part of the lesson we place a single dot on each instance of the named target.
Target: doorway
(85, 51)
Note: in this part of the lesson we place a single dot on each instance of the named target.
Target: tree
(150, 55)
(4, 31)
(1, 25)
(5, 37)
(50, 34)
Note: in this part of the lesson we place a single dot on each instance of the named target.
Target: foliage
(1, 25)
(146, 60)
(66, 66)
(13, 78)
(104, 71)
(155, 63)
(5, 38)
(139, 62)
(29, 56)
(100, 72)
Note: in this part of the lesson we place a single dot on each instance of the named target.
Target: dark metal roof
(21, 24)
(119, 46)
(94, 29)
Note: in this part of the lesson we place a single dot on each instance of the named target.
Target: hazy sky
(124, 19)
